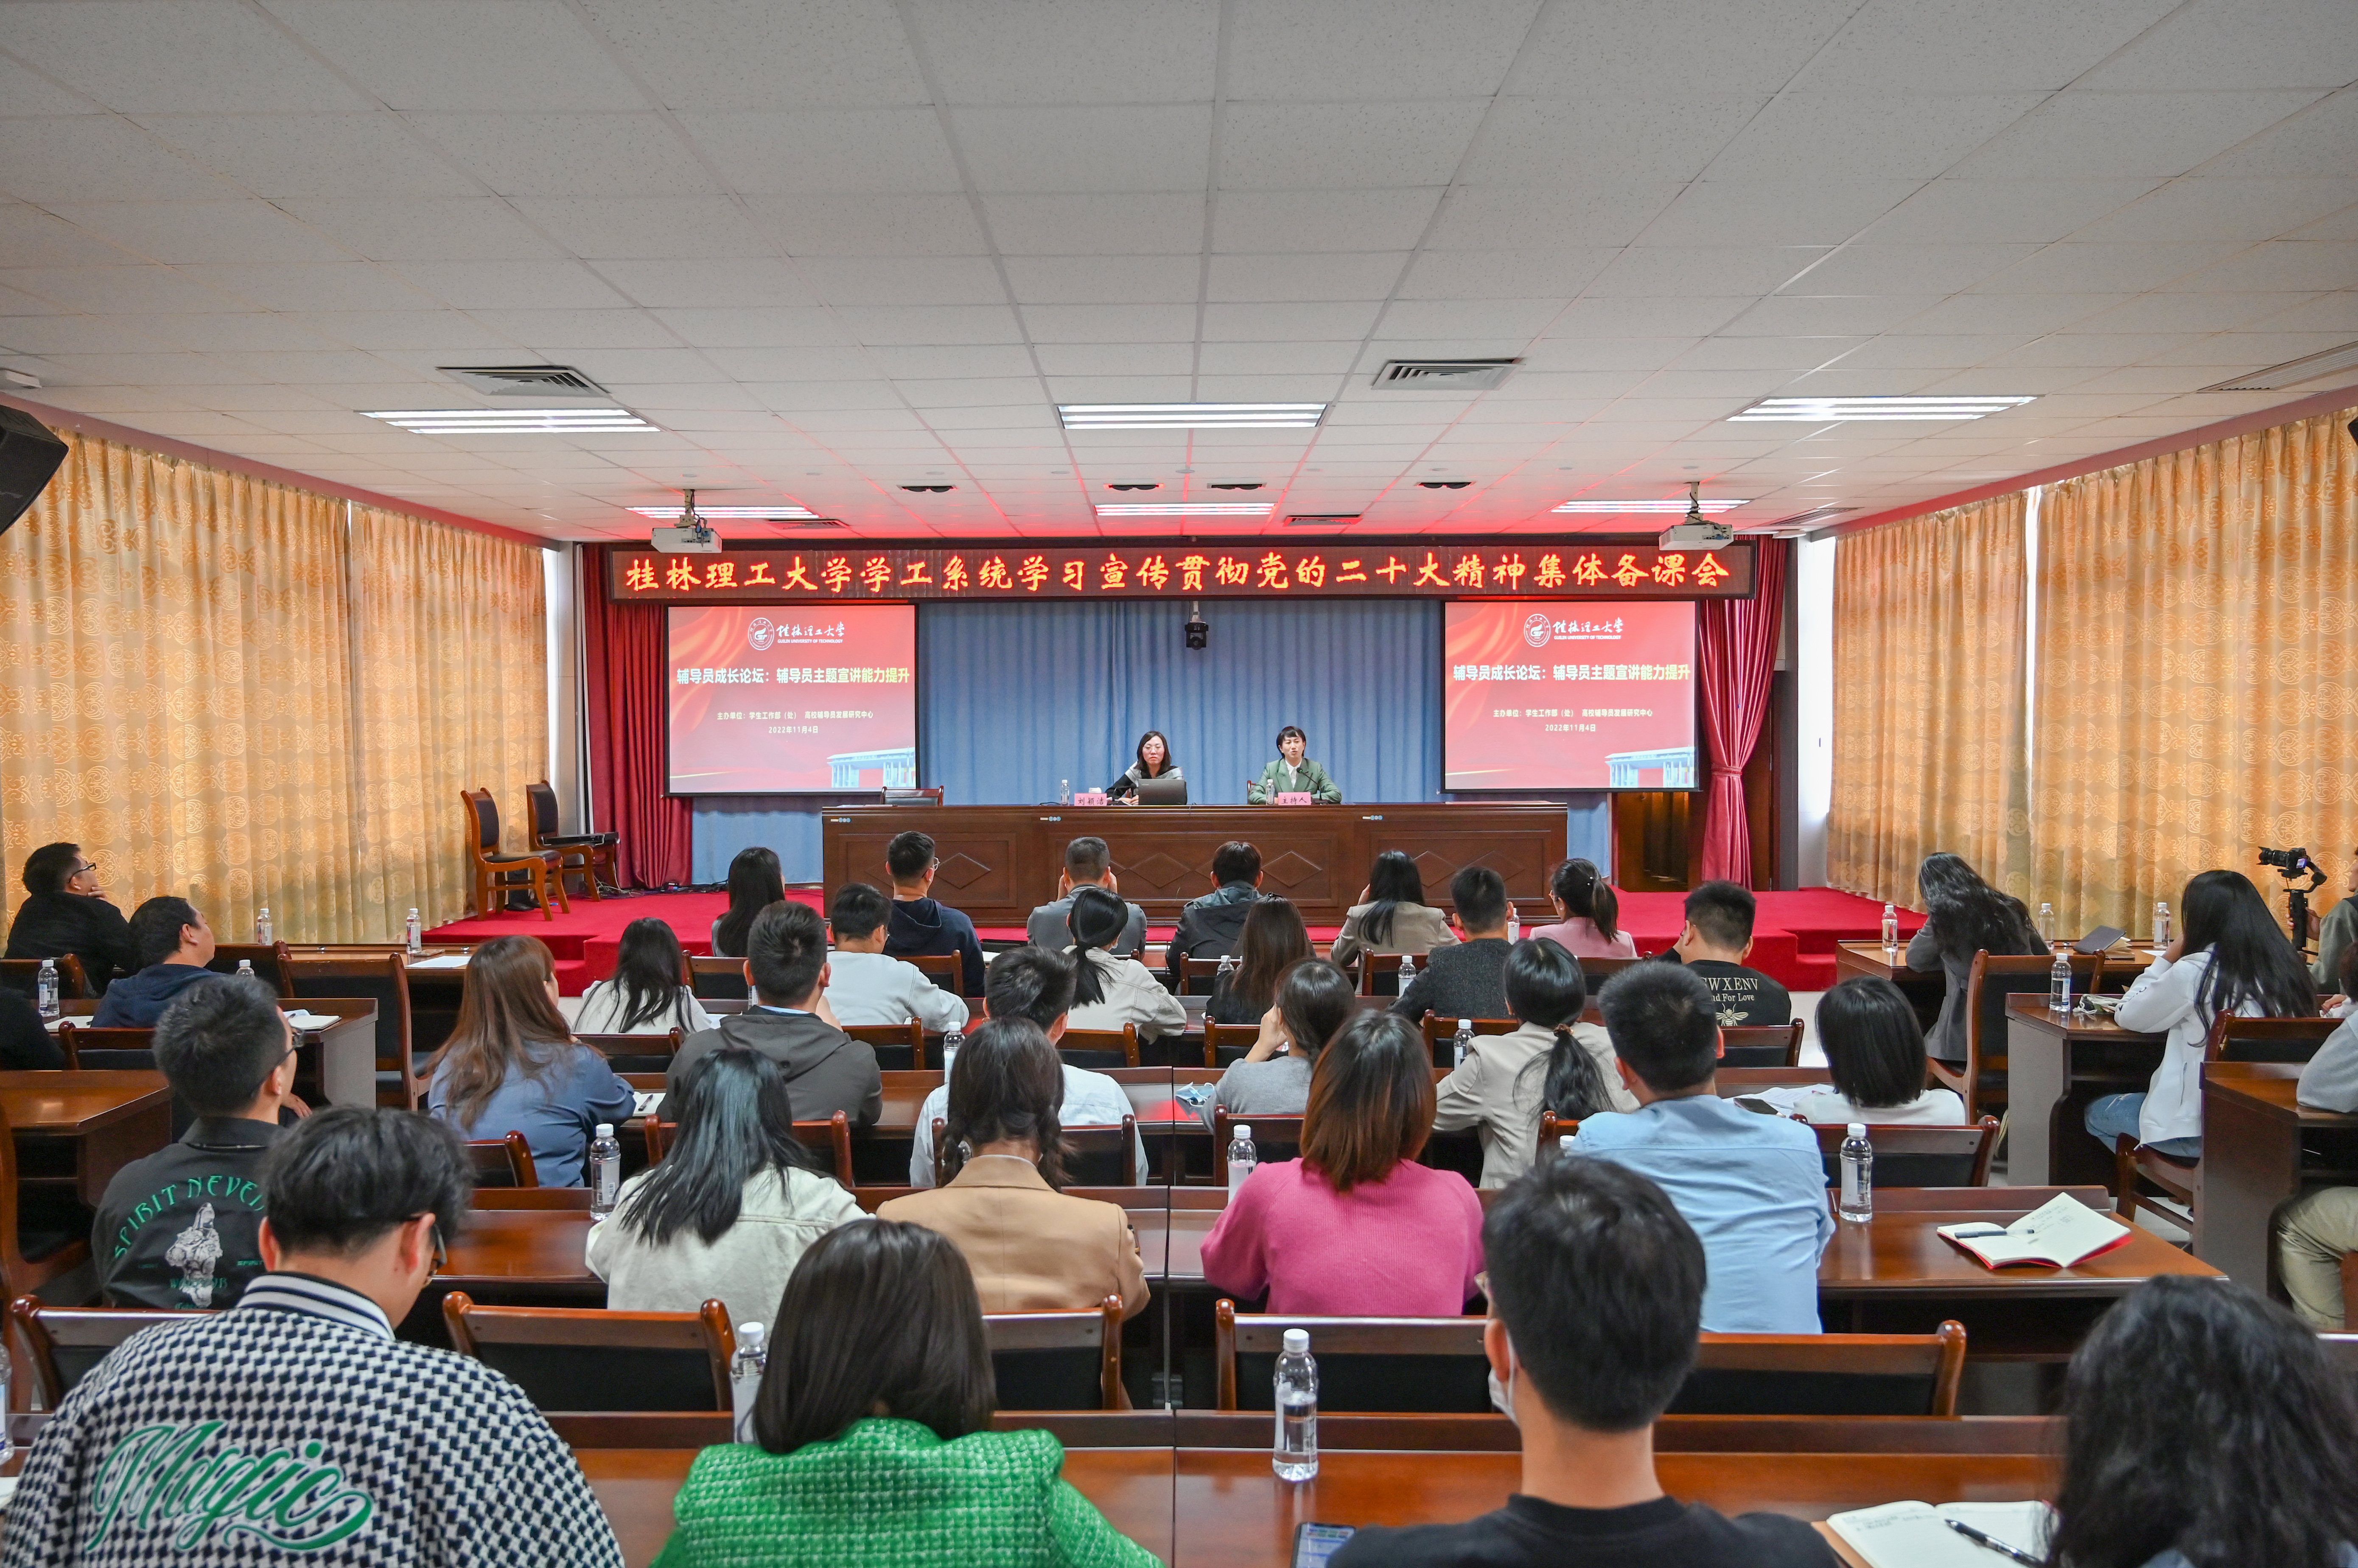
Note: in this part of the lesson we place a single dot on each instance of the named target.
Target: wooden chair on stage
(1762, 1045)
(495, 874)
(572, 1359)
(583, 853)
(1057, 1360)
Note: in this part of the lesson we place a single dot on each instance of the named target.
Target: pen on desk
(1993, 1543)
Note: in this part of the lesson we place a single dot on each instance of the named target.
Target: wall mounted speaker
(30, 454)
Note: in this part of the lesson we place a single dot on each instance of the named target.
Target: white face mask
(1502, 1395)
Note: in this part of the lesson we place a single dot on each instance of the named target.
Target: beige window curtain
(1927, 702)
(182, 697)
(2197, 671)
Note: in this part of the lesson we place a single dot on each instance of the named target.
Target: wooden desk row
(339, 1057)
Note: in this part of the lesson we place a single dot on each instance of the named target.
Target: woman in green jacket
(872, 1440)
(1292, 772)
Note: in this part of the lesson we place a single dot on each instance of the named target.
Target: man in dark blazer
(1468, 980)
(1211, 926)
(827, 1070)
(66, 913)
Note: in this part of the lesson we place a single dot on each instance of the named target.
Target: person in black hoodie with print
(921, 924)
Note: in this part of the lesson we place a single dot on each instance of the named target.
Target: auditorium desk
(1000, 862)
(2253, 1133)
(2054, 1066)
(109, 1120)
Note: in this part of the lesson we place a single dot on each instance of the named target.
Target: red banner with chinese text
(1593, 570)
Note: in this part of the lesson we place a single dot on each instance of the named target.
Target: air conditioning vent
(2292, 372)
(524, 381)
(1801, 520)
(1442, 375)
(1322, 520)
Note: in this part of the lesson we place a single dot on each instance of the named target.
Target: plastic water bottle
(950, 1043)
(1464, 1038)
(45, 992)
(1242, 1157)
(745, 1369)
(2058, 984)
(1890, 930)
(413, 934)
(1295, 1457)
(2161, 923)
(1563, 1146)
(2047, 923)
(1063, 792)
(1407, 972)
(245, 968)
(605, 1171)
(262, 926)
(1227, 969)
(1857, 1201)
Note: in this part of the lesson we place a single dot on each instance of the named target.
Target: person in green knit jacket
(872, 1440)
(1293, 774)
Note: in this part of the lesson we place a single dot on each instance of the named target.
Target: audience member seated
(922, 926)
(1962, 915)
(1032, 1248)
(1587, 913)
(643, 995)
(863, 986)
(1108, 992)
(2230, 957)
(2204, 1427)
(1467, 978)
(377, 1450)
(756, 882)
(2336, 935)
(1391, 916)
(1595, 1287)
(1210, 926)
(871, 1434)
(1313, 1001)
(1037, 984)
(1552, 1062)
(1087, 863)
(1273, 941)
(1753, 1186)
(1717, 941)
(181, 1228)
(1355, 1227)
(1875, 1054)
(730, 1208)
(174, 946)
(1154, 761)
(787, 1021)
(26, 1043)
(66, 912)
(2317, 1229)
(510, 1065)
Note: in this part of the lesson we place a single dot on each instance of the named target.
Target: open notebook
(1912, 1535)
(2058, 1233)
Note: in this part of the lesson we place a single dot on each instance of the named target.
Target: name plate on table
(1090, 797)
(1294, 797)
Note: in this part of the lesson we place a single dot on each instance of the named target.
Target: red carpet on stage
(1792, 938)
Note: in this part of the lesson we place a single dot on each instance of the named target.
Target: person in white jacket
(2229, 958)
(1107, 991)
(863, 986)
(643, 995)
(732, 1207)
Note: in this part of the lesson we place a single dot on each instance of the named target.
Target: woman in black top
(1962, 915)
(755, 883)
(66, 913)
(1153, 763)
(1273, 941)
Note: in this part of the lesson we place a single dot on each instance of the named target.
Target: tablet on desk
(1314, 1544)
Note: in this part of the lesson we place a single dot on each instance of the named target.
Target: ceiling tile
(338, 286)
(2214, 44)
(2010, 312)
(1294, 49)
(2002, 211)
(1109, 323)
(2280, 264)
(1639, 133)
(85, 157)
(955, 361)
(31, 237)
(828, 151)
(1104, 280)
(1692, 315)
(1347, 320)
(1476, 318)
(1278, 357)
(1704, 270)
(1819, 212)
(1867, 135)
(1113, 225)
(871, 225)
(1321, 220)
(1306, 276)
(548, 330)
(1503, 275)
(756, 54)
(2079, 134)
(1730, 46)
(1977, 45)
(904, 280)
(1064, 51)
(116, 290)
(1871, 268)
(24, 91)
(1322, 146)
(505, 284)
(191, 55)
(1142, 358)
(2074, 268)
(647, 227)
(932, 324)
(460, 55)
(729, 282)
(347, 155)
(2312, 144)
(474, 227)
(1132, 148)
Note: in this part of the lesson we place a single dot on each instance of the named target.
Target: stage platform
(1793, 937)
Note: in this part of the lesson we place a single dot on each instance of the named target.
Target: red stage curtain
(1738, 654)
(623, 644)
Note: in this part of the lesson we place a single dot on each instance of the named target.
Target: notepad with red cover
(2058, 1234)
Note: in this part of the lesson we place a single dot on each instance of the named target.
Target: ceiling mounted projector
(693, 536)
(1695, 531)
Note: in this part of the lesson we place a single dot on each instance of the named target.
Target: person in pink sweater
(1355, 1227)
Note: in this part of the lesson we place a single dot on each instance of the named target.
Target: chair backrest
(66, 1342)
(1441, 1033)
(24, 975)
(1094, 1156)
(1236, 1039)
(1826, 1374)
(1596, 971)
(263, 956)
(2236, 1039)
(1994, 978)
(503, 1161)
(828, 1141)
(1552, 1130)
(1274, 1137)
(1196, 974)
(485, 815)
(2342, 1349)
(578, 1358)
(540, 813)
(52, 1254)
(1102, 1049)
(636, 1053)
(384, 977)
(90, 1049)
(1911, 1155)
(711, 975)
(889, 1040)
(1762, 1045)
(1371, 965)
(1057, 1360)
(1392, 1364)
(947, 971)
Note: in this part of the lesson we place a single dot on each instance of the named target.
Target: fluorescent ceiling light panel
(1185, 509)
(1616, 508)
(1191, 415)
(784, 509)
(500, 421)
(1827, 410)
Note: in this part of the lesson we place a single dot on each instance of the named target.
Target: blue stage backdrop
(1012, 701)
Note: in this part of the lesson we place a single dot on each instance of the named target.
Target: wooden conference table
(1000, 862)
(2054, 1066)
(2254, 1134)
(107, 1120)
(342, 1056)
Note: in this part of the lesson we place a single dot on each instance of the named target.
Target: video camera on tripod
(2291, 864)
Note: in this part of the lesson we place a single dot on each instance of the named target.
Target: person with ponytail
(1109, 990)
(1962, 915)
(1554, 1062)
(1587, 913)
